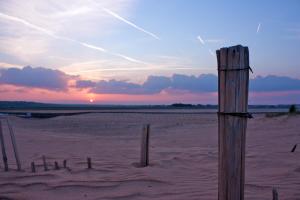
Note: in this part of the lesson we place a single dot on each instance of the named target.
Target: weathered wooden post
(14, 144)
(294, 148)
(65, 164)
(33, 167)
(45, 163)
(56, 166)
(145, 146)
(4, 156)
(275, 194)
(233, 80)
(89, 163)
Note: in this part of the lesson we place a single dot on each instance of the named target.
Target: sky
(144, 51)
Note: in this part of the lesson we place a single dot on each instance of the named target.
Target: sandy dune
(183, 157)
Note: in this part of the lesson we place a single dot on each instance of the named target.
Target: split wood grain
(233, 84)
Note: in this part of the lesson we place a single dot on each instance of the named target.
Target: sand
(183, 157)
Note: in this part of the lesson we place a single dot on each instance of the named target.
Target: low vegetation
(292, 111)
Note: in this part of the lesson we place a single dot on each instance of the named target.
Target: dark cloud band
(58, 81)
(193, 84)
(36, 78)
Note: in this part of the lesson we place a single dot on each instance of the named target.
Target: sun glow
(91, 100)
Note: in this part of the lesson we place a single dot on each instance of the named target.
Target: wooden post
(233, 80)
(145, 146)
(89, 163)
(65, 164)
(13, 140)
(275, 194)
(45, 163)
(4, 156)
(56, 167)
(294, 148)
(33, 167)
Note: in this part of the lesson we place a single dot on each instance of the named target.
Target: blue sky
(130, 40)
(274, 49)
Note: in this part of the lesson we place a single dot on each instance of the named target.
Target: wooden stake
(56, 167)
(89, 163)
(4, 156)
(275, 194)
(13, 140)
(33, 167)
(233, 75)
(45, 163)
(294, 148)
(65, 164)
(145, 146)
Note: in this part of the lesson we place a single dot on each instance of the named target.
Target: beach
(183, 157)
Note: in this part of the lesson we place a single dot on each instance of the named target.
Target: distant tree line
(23, 105)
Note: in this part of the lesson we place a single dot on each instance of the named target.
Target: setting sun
(91, 100)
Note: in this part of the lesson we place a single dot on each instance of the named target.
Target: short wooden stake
(65, 164)
(4, 156)
(45, 163)
(233, 75)
(56, 167)
(33, 167)
(294, 148)
(14, 144)
(145, 146)
(275, 194)
(89, 163)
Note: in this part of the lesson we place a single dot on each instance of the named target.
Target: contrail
(92, 46)
(201, 40)
(130, 23)
(258, 28)
(24, 22)
(51, 34)
(203, 43)
(130, 59)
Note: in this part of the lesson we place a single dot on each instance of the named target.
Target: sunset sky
(144, 51)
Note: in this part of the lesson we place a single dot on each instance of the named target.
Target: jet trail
(24, 22)
(130, 23)
(201, 40)
(51, 34)
(258, 28)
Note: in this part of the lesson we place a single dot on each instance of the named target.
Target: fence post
(56, 166)
(65, 164)
(45, 163)
(233, 84)
(13, 140)
(89, 162)
(294, 148)
(33, 167)
(4, 156)
(275, 194)
(145, 146)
